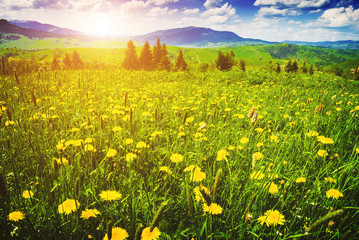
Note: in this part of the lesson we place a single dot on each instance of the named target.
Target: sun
(101, 25)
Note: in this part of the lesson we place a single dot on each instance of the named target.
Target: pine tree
(295, 66)
(157, 53)
(55, 63)
(146, 58)
(67, 61)
(181, 65)
(165, 63)
(242, 65)
(278, 68)
(130, 62)
(288, 66)
(225, 61)
(304, 68)
(76, 60)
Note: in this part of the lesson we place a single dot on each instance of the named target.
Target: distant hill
(345, 44)
(6, 27)
(44, 27)
(195, 37)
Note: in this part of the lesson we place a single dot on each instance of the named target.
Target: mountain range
(183, 37)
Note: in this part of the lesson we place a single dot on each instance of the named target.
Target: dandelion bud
(254, 118)
(324, 219)
(330, 224)
(205, 195)
(254, 161)
(216, 183)
(139, 230)
(248, 218)
(316, 110)
(158, 215)
(109, 229)
(189, 201)
(3, 64)
(3, 191)
(16, 77)
(55, 165)
(334, 97)
(251, 112)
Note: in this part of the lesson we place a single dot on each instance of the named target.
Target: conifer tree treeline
(225, 61)
(157, 59)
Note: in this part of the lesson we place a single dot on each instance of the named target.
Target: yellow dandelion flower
(117, 129)
(89, 140)
(312, 134)
(27, 194)
(7, 123)
(273, 188)
(89, 213)
(62, 161)
(141, 144)
(198, 195)
(73, 130)
(111, 153)
(130, 157)
(165, 169)
(189, 120)
(334, 193)
(78, 143)
(285, 116)
(128, 141)
(357, 150)
(322, 153)
(244, 140)
(148, 235)
(272, 217)
(68, 206)
(274, 138)
(258, 155)
(16, 216)
(156, 133)
(197, 175)
(231, 148)
(300, 180)
(213, 208)
(190, 168)
(330, 180)
(89, 148)
(110, 195)
(176, 158)
(222, 154)
(325, 140)
(257, 175)
(117, 234)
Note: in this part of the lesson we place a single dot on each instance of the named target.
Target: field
(182, 155)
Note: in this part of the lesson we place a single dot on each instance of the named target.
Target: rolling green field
(86, 154)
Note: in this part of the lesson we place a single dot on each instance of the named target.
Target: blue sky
(272, 20)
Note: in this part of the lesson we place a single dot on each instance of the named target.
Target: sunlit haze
(275, 20)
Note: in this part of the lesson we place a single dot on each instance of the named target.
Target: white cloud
(272, 11)
(162, 2)
(157, 11)
(292, 3)
(339, 17)
(313, 3)
(190, 11)
(315, 11)
(212, 4)
(226, 9)
(217, 19)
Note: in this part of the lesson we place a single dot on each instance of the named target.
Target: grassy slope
(112, 52)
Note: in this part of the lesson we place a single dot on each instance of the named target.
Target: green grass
(167, 111)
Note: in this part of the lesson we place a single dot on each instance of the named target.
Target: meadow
(95, 154)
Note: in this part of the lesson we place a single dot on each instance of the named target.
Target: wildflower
(285, 116)
(222, 154)
(128, 141)
(274, 138)
(111, 153)
(16, 216)
(322, 153)
(69, 206)
(156, 133)
(73, 130)
(62, 161)
(7, 123)
(176, 158)
(312, 134)
(244, 140)
(110, 195)
(257, 175)
(117, 234)
(258, 155)
(141, 144)
(300, 180)
(130, 157)
(334, 193)
(27, 194)
(273, 188)
(357, 150)
(272, 217)
(213, 208)
(227, 109)
(189, 120)
(165, 169)
(330, 180)
(116, 129)
(197, 175)
(89, 140)
(89, 213)
(198, 195)
(325, 140)
(148, 235)
(231, 148)
(89, 148)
